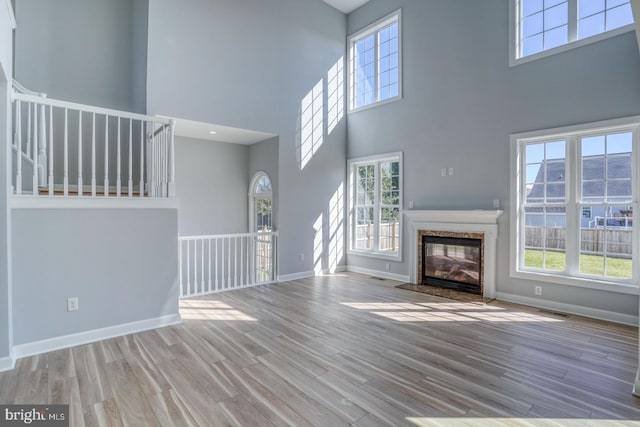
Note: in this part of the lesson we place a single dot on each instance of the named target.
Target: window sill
(375, 104)
(581, 282)
(513, 61)
(379, 255)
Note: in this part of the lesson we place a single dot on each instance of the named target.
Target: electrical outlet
(450, 171)
(410, 204)
(72, 304)
(388, 266)
(301, 257)
(538, 290)
(496, 203)
(443, 172)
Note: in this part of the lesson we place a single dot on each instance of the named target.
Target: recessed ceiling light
(212, 132)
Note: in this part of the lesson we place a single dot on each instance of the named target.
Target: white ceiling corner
(346, 6)
(231, 135)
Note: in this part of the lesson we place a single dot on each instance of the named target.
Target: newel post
(172, 159)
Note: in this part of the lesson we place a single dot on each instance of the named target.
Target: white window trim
(352, 39)
(252, 200)
(514, 39)
(622, 286)
(352, 217)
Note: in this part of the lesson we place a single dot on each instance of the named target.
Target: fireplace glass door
(452, 262)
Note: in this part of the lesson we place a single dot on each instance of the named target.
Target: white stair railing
(141, 147)
(35, 150)
(161, 149)
(210, 264)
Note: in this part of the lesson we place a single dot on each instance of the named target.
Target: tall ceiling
(211, 132)
(346, 6)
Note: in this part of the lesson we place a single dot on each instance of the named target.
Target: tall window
(375, 201)
(574, 202)
(374, 63)
(260, 201)
(546, 25)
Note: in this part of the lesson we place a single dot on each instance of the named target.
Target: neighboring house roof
(593, 172)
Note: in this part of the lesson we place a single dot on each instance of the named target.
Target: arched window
(260, 203)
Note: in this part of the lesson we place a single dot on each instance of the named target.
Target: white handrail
(87, 108)
(18, 87)
(27, 160)
(219, 236)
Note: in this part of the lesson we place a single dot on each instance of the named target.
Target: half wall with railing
(68, 149)
(210, 264)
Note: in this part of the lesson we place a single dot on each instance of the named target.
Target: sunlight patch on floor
(383, 306)
(423, 316)
(459, 306)
(447, 312)
(208, 309)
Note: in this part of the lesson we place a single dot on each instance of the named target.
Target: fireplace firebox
(452, 262)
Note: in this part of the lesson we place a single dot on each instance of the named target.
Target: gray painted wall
(212, 181)
(121, 264)
(462, 101)
(263, 157)
(87, 51)
(249, 64)
(139, 34)
(6, 74)
(5, 217)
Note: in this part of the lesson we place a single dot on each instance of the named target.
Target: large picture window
(374, 63)
(574, 203)
(375, 193)
(543, 27)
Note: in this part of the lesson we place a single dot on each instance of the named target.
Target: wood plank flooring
(344, 350)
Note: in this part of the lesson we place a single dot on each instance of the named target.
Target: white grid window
(573, 204)
(374, 63)
(544, 27)
(375, 201)
(598, 16)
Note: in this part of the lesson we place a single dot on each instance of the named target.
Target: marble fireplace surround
(459, 221)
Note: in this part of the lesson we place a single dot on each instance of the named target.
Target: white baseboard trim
(296, 276)
(579, 310)
(72, 340)
(219, 291)
(7, 363)
(376, 273)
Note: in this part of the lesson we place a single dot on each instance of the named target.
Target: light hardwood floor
(344, 350)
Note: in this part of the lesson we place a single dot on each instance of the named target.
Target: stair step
(44, 191)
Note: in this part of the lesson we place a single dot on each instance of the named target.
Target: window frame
(373, 28)
(573, 40)
(572, 135)
(255, 196)
(352, 165)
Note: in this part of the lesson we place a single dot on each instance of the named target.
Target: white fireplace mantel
(467, 221)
